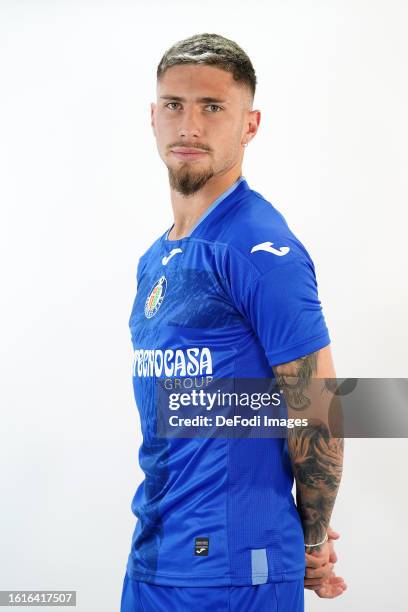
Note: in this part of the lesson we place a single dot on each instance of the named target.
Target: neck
(187, 210)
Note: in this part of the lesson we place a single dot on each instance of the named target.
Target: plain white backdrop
(83, 193)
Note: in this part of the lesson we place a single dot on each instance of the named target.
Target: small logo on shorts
(155, 298)
(201, 547)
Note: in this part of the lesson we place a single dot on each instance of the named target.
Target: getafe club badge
(155, 298)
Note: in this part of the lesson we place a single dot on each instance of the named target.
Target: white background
(83, 193)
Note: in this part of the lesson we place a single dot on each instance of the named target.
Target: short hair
(211, 50)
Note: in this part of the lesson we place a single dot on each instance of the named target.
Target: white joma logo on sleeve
(267, 246)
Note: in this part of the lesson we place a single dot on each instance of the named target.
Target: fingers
(329, 588)
(333, 555)
(317, 578)
(333, 535)
(314, 561)
(313, 583)
(321, 572)
(337, 581)
(317, 584)
(334, 587)
(329, 592)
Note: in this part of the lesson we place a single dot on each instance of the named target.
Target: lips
(187, 150)
(186, 153)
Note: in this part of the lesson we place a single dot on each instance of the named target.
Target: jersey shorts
(138, 596)
(235, 297)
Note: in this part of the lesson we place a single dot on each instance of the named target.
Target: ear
(254, 119)
(153, 116)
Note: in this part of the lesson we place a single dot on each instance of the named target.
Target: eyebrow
(207, 99)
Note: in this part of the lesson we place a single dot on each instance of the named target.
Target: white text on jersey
(179, 362)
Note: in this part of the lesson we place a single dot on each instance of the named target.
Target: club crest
(155, 298)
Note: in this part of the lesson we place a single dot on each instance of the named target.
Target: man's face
(200, 122)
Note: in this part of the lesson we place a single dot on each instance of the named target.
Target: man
(227, 292)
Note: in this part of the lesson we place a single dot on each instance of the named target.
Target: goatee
(187, 182)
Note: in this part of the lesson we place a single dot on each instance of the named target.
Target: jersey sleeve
(283, 308)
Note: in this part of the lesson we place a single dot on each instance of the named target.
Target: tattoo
(331, 384)
(317, 457)
(317, 461)
(295, 379)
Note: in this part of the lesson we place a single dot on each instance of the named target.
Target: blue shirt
(233, 298)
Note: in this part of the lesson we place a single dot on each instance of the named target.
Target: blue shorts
(140, 596)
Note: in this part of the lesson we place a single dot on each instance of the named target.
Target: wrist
(315, 546)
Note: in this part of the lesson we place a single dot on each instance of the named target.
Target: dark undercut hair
(211, 50)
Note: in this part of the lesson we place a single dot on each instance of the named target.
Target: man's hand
(333, 586)
(319, 564)
(319, 575)
(318, 567)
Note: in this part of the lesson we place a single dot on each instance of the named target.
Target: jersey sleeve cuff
(298, 350)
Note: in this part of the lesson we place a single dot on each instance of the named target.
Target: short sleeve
(283, 308)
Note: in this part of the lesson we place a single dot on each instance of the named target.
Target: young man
(227, 292)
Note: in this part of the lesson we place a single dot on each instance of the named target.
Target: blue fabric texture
(139, 596)
(235, 297)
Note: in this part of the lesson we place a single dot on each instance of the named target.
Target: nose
(190, 124)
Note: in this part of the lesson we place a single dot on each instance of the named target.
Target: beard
(187, 181)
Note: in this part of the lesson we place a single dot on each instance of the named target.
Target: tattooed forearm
(317, 457)
(317, 461)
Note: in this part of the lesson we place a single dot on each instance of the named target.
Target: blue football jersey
(233, 298)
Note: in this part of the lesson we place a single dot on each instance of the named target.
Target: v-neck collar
(207, 212)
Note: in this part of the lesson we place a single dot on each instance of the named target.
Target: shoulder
(258, 238)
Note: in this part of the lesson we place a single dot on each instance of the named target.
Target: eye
(170, 103)
(214, 106)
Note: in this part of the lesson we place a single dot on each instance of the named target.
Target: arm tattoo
(295, 379)
(317, 458)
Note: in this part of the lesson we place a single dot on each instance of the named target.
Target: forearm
(317, 461)
(316, 456)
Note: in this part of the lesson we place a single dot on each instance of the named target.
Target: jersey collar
(240, 182)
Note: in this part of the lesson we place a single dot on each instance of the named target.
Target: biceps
(307, 385)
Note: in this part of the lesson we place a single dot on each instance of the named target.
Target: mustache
(193, 145)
